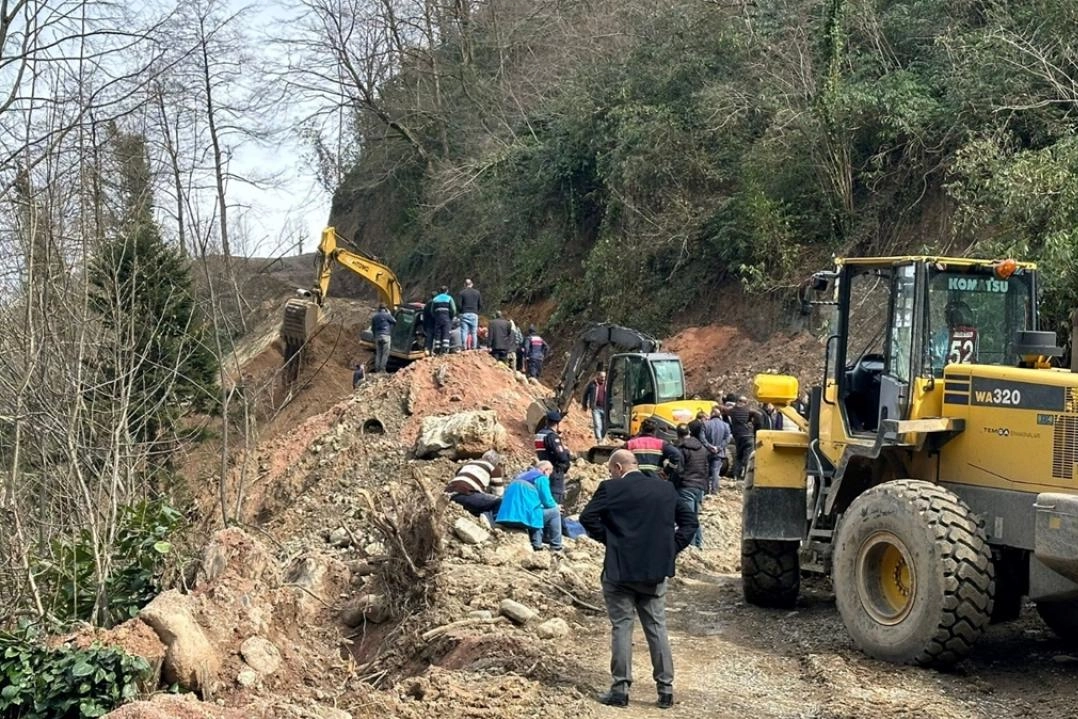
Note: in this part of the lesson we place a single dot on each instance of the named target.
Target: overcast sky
(297, 204)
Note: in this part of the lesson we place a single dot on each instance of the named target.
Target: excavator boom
(301, 315)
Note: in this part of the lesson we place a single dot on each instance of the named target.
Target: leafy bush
(137, 559)
(64, 683)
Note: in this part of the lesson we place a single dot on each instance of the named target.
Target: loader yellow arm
(383, 278)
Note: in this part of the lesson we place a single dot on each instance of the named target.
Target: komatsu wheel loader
(937, 484)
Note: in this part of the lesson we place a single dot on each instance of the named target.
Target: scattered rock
(519, 377)
(462, 435)
(517, 612)
(480, 614)
(1064, 659)
(365, 608)
(261, 655)
(456, 398)
(552, 629)
(359, 568)
(469, 532)
(190, 660)
(247, 678)
(536, 560)
(340, 538)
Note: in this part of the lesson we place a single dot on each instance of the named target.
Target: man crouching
(643, 524)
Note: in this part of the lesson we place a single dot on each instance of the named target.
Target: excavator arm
(383, 278)
(591, 343)
(301, 315)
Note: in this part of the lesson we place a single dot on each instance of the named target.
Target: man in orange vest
(653, 454)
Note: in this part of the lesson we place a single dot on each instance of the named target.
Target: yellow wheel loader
(303, 314)
(937, 481)
(642, 382)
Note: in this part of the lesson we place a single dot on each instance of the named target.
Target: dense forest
(626, 158)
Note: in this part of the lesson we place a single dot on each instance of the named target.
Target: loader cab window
(865, 327)
(974, 317)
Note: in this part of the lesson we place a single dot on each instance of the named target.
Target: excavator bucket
(299, 325)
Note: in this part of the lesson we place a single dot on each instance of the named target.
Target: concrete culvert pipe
(373, 426)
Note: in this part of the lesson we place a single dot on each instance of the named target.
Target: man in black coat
(500, 336)
(691, 480)
(643, 523)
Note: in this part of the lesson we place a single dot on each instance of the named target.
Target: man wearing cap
(549, 448)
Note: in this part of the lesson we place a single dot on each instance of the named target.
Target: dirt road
(735, 661)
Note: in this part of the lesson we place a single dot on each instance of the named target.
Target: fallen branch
(446, 628)
(576, 600)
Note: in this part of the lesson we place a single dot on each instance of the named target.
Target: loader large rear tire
(1061, 618)
(913, 574)
(770, 572)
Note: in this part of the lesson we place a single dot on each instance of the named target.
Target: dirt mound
(720, 358)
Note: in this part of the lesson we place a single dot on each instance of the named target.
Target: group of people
(639, 517)
(451, 324)
(531, 501)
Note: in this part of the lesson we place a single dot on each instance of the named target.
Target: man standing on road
(444, 309)
(644, 525)
(595, 401)
(500, 336)
(470, 302)
(744, 422)
(691, 480)
(381, 328)
(716, 439)
(428, 324)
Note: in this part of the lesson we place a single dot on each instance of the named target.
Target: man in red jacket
(643, 524)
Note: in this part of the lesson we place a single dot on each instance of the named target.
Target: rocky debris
(190, 660)
(536, 561)
(234, 550)
(340, 538)
(552, 629)
(261, 655)
(517, 612)
(247, 678)
(180, 706)
(316, 579)
(371, 608)
(469, 532)
(464, 435)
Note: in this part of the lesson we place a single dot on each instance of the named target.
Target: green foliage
(705, 144)
(39, 682)
(136, 560)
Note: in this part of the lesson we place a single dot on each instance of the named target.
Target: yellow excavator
(642, 383)
(936, 481)
(303, 314)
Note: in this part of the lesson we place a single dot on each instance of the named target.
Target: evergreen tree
(154, 360)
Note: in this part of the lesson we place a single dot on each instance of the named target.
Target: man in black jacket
(692, 477)
(500, 336)
(469, 302)
(642, 522)
(744, 421)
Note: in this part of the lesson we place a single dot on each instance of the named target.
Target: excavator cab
(647, 385)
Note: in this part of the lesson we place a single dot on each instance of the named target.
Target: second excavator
(642, 382)
(303, 314)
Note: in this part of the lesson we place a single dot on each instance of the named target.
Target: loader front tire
(770, 572)
(913, 574)
(1061, 618)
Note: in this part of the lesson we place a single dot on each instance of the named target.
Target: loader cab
(898, 322)
(636, 380)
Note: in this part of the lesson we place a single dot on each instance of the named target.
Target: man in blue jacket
(382, 328)
(528, 503)
(444, 310)
(643, 524)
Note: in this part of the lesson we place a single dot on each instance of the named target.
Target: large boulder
(190, 659)
(465, 435)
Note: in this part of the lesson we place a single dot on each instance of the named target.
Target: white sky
(297, 205)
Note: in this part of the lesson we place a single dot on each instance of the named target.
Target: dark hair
(648, 426)
(695, 427)
(682, 431)
(445, 289)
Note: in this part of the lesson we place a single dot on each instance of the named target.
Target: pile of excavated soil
(719, 359)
